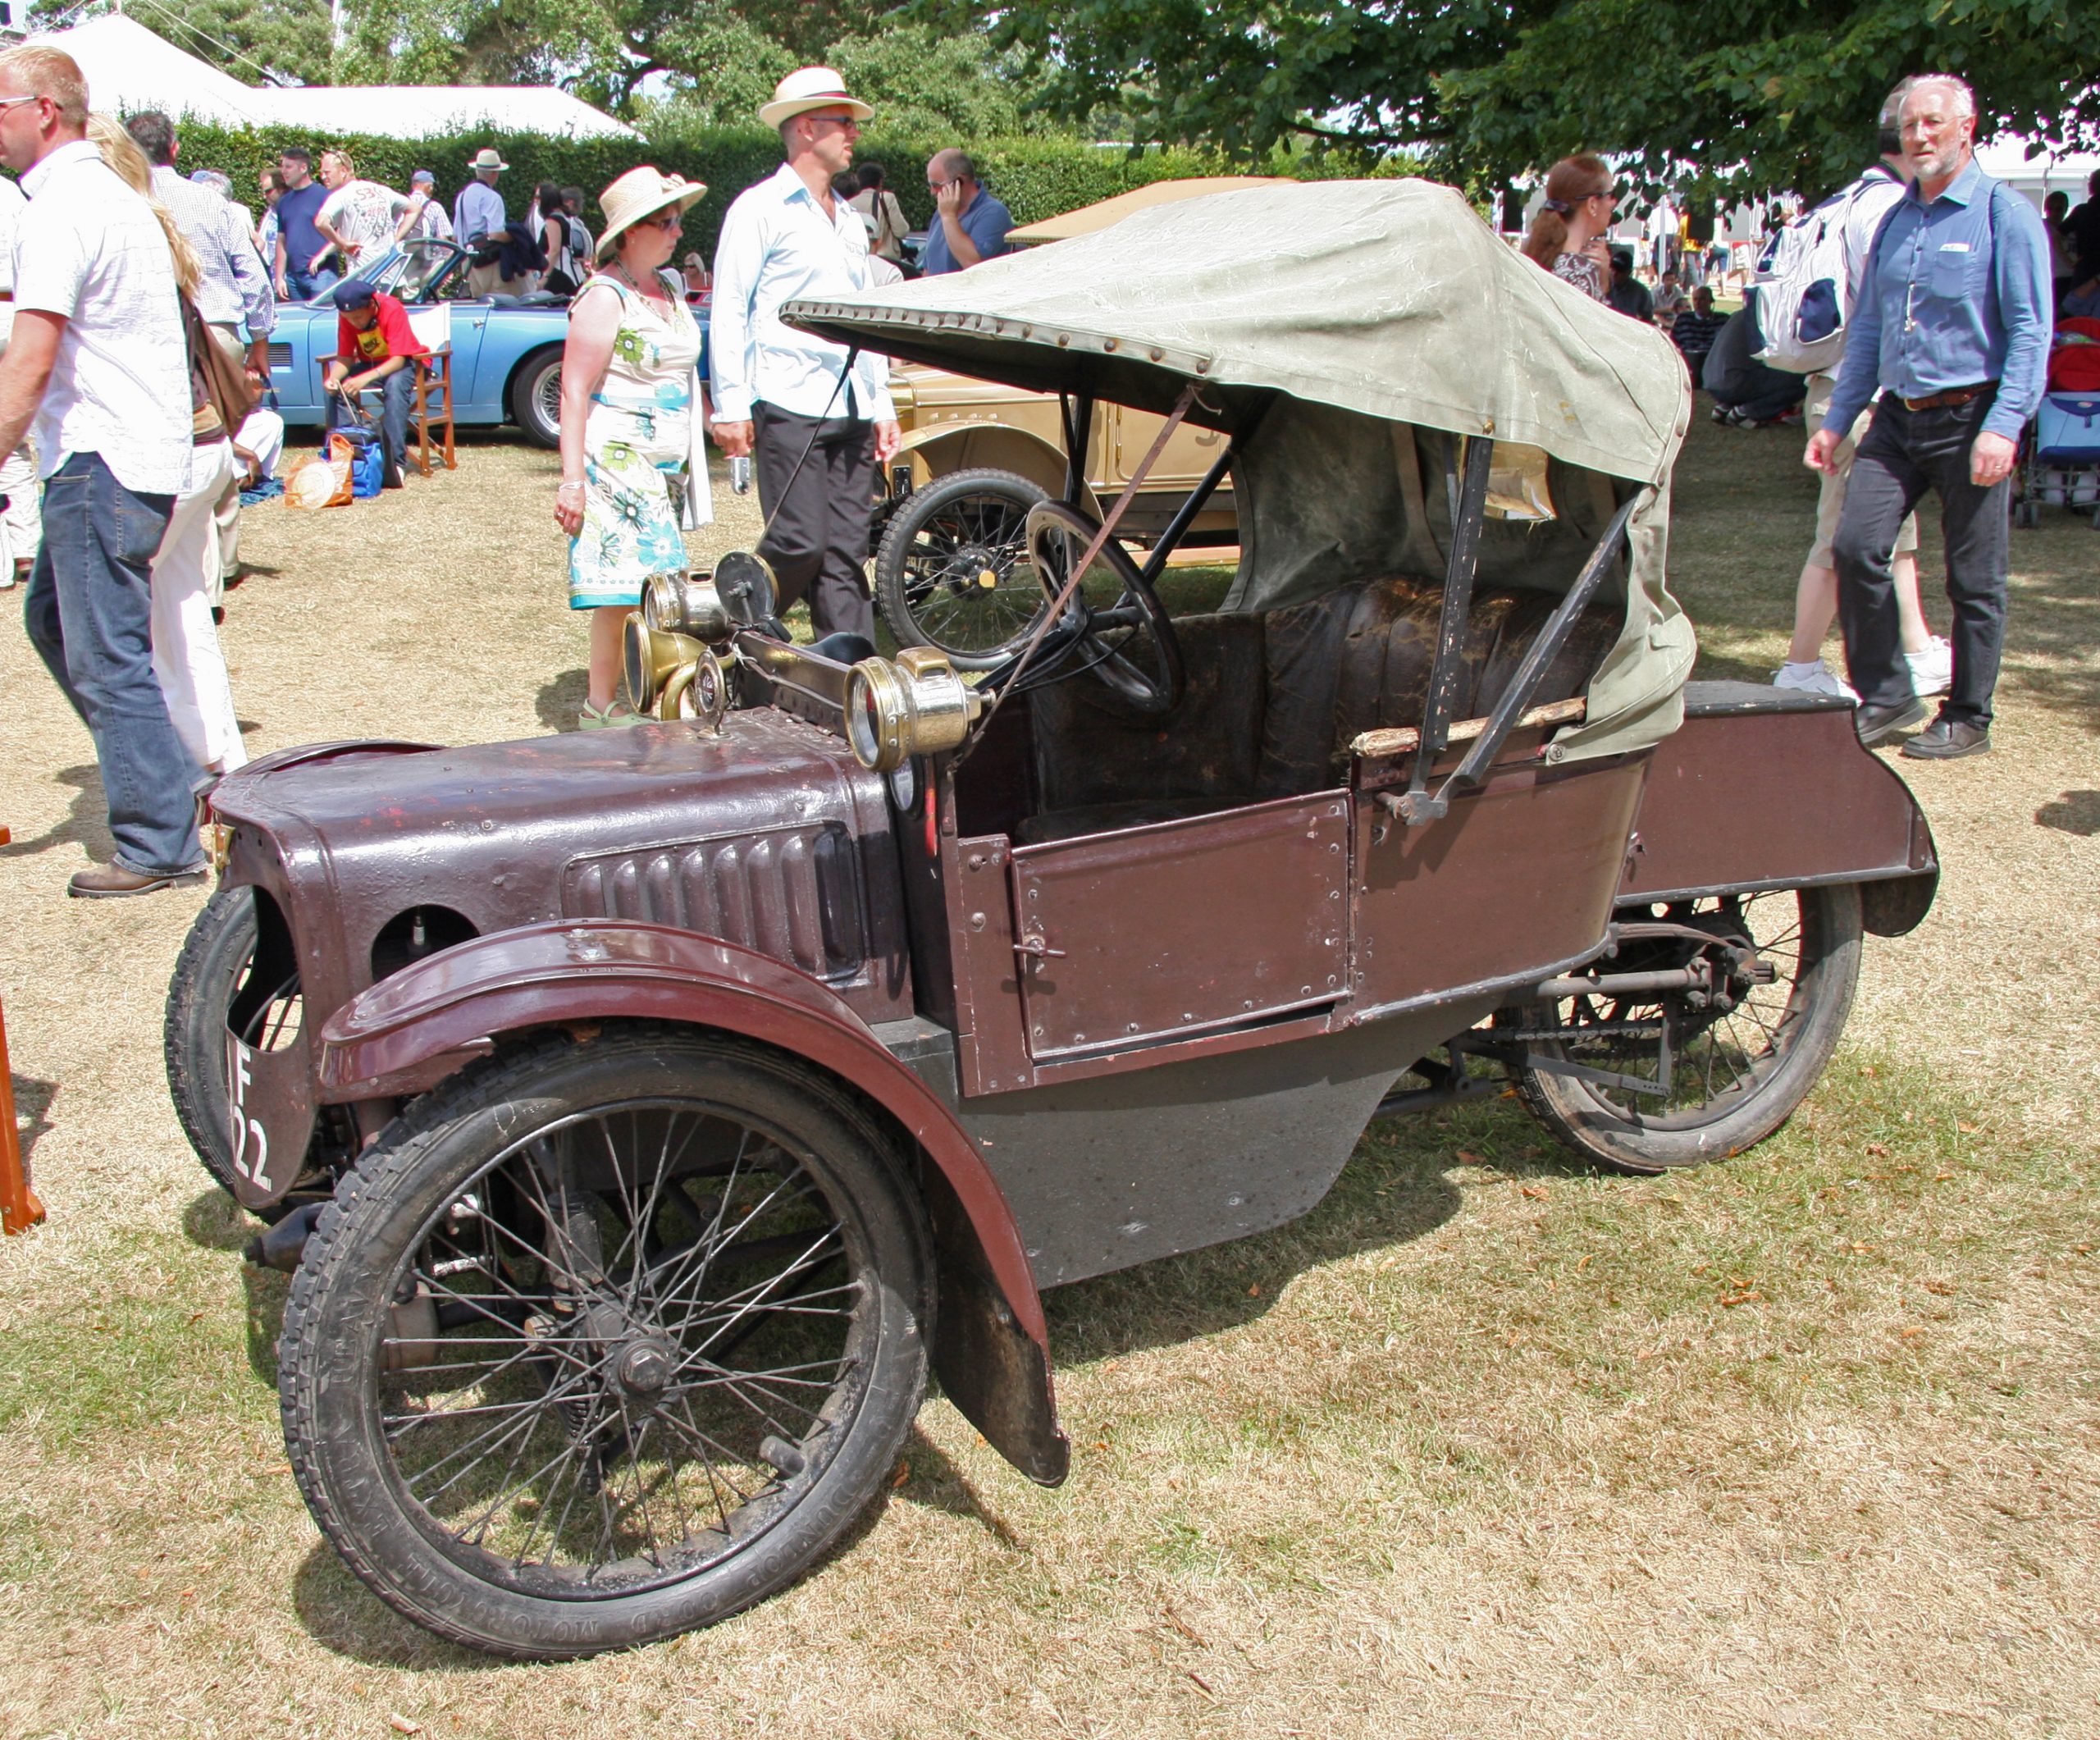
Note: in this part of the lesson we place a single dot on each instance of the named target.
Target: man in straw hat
(816, 431)
(478, 218)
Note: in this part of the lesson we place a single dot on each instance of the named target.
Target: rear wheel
(602, 1342)
(1742, 1056)
(535, 399)
(952, 570)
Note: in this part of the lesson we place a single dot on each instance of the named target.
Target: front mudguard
(403, 1035)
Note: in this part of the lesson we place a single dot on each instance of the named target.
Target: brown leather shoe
(113, 882)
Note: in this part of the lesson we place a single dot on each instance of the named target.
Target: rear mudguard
(992, 1347)
(1769, 788)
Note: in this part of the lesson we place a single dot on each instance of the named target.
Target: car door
(1182, 928)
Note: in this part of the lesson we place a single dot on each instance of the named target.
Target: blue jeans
(89, 615)
(396, 393)
(305, 286)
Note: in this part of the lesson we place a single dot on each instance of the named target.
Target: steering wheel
(1106, 641)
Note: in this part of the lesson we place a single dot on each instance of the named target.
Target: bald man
(968, 225)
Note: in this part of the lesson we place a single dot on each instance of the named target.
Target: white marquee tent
(129, 68)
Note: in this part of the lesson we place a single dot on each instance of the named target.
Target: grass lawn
(1488, 1444)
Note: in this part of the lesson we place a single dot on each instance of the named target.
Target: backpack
(1803, 288)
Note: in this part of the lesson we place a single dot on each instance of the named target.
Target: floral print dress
(636, 445)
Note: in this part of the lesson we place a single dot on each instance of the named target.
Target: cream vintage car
(950, 568)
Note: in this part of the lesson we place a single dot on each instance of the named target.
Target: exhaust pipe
(280, 1246)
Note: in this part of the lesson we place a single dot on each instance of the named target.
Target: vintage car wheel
(952, 570)
(208, 973)
(1738, 1073)
(535, 399)
(603, 1341)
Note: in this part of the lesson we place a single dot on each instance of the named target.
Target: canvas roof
(1391, 319)
(1388, 298)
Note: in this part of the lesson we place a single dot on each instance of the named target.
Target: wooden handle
(1399, 739)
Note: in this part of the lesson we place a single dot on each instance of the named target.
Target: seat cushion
(1359, 659)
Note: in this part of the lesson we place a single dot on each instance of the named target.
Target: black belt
(1952, 395)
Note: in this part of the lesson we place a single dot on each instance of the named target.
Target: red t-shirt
(388, 336)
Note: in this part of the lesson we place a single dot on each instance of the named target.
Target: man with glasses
(97, 361)
(816, 430)
(970, 225)
(1952, 328)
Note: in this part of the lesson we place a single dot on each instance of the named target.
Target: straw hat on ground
(642, 193)
(810, 88)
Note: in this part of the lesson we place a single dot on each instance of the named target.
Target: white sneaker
(1931, 671)
(1816, 677)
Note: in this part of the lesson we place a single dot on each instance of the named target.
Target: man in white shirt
(97, 362)
(425, 218)
(357, 217)
(22, 524)
(817, 432)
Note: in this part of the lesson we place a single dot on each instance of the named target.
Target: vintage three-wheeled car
(644, 1113)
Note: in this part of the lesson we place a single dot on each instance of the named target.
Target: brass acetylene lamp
(913, 704)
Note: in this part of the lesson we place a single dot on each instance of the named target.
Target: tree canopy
(1745, 95)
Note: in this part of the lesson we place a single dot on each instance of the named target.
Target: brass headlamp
(686, 604)
(915, 705)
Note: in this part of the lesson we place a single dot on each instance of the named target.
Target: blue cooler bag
(367, 460)
(2067, 429)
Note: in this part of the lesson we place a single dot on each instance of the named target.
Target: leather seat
(1274, 701)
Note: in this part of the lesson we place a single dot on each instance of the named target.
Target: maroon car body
(1112, 969)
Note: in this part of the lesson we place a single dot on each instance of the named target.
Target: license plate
(248, 1141)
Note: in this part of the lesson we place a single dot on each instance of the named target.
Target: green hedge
(1038, 178)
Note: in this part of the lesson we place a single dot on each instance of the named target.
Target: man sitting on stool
(372, 331)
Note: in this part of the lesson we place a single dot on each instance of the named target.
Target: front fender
(408, 1031)
(939, 449)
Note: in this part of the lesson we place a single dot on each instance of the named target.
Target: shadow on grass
(33, 1098)
(86, 823)
(2075, 812)
(342, 1615)
(561, 697)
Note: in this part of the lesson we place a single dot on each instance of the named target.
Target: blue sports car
(506, 352)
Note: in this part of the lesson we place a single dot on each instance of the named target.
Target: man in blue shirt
(299, 243)
(969, 224)
(1952, 327)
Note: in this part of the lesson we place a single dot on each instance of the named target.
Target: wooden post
(19, 1208)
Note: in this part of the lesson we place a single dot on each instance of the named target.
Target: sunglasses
(9, 103)
(671, 219)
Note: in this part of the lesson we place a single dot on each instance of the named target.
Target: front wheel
(603, 1341)
(952, 571)
(535, 399)
(209, 973)
(1743, 1055)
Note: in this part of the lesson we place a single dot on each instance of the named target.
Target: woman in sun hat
(632, 469)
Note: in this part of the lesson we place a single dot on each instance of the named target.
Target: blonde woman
(188, 660)
(632, 469)
(1567, 237)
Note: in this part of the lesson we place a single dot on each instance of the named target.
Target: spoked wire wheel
(1742, 1050)
(613, 1340)
(952, 571)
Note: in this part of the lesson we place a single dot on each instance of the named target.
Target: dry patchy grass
(1488, 1444)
